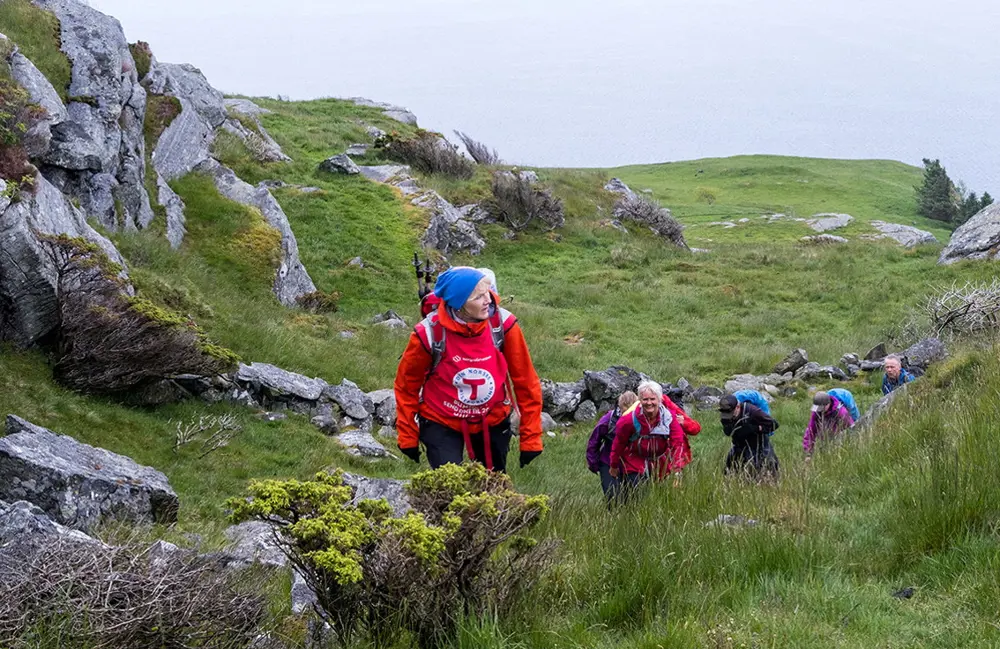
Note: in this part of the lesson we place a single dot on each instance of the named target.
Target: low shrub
(645, 210)
(160, 112)
(111, 597)
(427, 152)
(460, 551)
(518, 202)
(16, 116)
(143, 57)
(320, 302)
(479, 152)
(110, 342)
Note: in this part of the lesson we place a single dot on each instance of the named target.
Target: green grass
(36, 33)
(911, 504)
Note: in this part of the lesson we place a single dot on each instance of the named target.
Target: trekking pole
(421, 285)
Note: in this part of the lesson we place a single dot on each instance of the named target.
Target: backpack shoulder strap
(498, 322)
(435, 339)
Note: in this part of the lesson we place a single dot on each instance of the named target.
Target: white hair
(650, 386)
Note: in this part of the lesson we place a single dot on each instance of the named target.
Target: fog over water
(598, 84)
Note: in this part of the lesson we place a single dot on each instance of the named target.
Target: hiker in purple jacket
(599, 446)
(829, 419)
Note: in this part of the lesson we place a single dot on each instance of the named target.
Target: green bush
(428, 153)
(16, 114)
(459, 551)
(143, 56)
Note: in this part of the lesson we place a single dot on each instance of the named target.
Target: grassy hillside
(911, 505)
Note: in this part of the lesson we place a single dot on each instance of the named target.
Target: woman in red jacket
(645, 439)
(451, 385)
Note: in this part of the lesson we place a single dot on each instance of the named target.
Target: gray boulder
(743, 382)
(358, 149)
(561, 399)
(244, 107)
(586, 412)
(254, 542)
(362, 444)
(78, 485)
(97, 154)
(617, 186)
(872, 366)
(877, 353)
(274, 383)
(391, 111)
(448, 231)
(548, 423)
(879, 408)
(605, 386)
(977, 238)
(826, 221)
(187, 141)
(326, 418)
(340, 164)
(385, 406)
(28, 308)
(174, 207)
(292, 281)
(925, 352)
(25, 529)
(256, 139)
(796, 359)
(351, 399)
(392, 491)
(811, 371)
(907, 236)
(821, 239)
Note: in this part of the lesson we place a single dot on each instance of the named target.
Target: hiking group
(466, 370)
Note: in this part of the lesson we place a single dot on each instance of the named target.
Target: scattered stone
(826, 221)
(385, 406)
(725, 224)
(925, 352)
(276, 383)
(362, 444)
(348, 335)
(309, 190)
(872, 366)
(586, 412)
(820, 239)
(792, 362)
(386, 317)
(743, 220)
(375, 133)
(548, 423)
(351, 399)
(850, 359)
(605, 386)
(272, 416)
(396, 325)
(25, 528)
(732, 521)
(388, 432)
(392, 491)
(811, 371)
(358, 149)
(876, 353)
(340, 164)
(904, 593)
(326, 419)
(617, 186)
(977, 238)
(80, 486)
(907, 236)
(561, 399)
(357, 262)
(743, 382)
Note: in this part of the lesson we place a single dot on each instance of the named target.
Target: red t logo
(474, 384)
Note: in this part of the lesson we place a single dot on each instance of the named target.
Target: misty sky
(588, 83)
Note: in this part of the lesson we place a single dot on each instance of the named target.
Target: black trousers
(618, 491)
(445, 445)
(756, 461)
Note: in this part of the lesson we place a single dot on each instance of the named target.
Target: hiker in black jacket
(750, 428)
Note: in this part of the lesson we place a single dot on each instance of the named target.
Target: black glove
(528, 456)
(412, 453)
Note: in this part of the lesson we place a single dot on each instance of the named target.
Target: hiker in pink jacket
(829, 419)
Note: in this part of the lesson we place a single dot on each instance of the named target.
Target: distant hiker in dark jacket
(895, 375)
(599, 446)
(829, 419)
(750, 428)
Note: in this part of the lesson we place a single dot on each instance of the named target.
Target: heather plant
(461, 550)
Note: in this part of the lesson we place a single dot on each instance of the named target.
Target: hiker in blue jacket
(895, 375)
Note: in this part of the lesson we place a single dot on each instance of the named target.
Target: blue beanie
(456, 284)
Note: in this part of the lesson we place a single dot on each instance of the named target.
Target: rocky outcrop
(255, 137)
(977, 238)
(174, 207)
(28, 308)
(392, 491)
(391, 111)
(605, 386)
(449, 230)
(38, 138)
(273, 384)
(562, 399)
(905, 235)
(879, 408)
(823, 239)
(25, 529)
(796, 359)
(97, 154)
(78, 485)
(618, 186)
(292, 281)
(187, 140)
(923, 353)
(828, 221)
